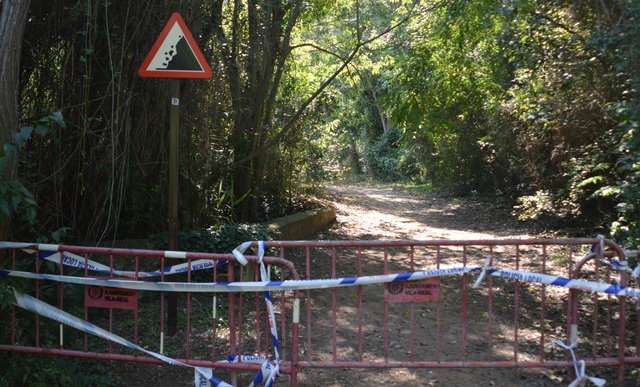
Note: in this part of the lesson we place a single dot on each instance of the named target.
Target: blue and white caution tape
(547, 279)
(285, 285)
(203, 376)
(579, 367)
(245, 359)
(271, 373)
(266, 370)
(76, 261)
(53, 254)
(227, 287)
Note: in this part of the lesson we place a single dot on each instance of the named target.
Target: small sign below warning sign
(175, 54)
(114, 298)
(425, 290)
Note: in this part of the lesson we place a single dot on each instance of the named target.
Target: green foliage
(516, 97)
(14, 196)
(222, 239)
(33, 370)
(387, 161)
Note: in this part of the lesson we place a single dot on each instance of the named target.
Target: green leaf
(607, 192)
(591, 180)
(4, 207)
(601, 167)
(8, 147)
(23, 135)
(41, 129)
(238, 201)
(57, 117)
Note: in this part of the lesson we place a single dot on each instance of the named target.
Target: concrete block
(300, 226)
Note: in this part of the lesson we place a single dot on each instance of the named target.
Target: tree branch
(296, 116)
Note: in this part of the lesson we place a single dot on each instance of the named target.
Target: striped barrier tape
(245, 359)
(53, 254)
(271, 373)
(581, 377)
(227, 287)
(547, 279)
(203, 376)
(285, 285)
(76, 261)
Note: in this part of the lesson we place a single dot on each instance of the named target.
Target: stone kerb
(300, 226)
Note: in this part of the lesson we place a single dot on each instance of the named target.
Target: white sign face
(175, 54)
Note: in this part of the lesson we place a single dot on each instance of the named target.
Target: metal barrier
(422, 326)
(211, 326)
(504, 323)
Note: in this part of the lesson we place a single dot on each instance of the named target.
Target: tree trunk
(13, 16)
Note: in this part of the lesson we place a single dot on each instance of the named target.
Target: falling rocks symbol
(181, 57)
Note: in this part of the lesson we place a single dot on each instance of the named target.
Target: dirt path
(393, 213)
(386, 213)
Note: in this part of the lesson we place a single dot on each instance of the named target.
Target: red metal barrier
(500, 325)
(233, 323)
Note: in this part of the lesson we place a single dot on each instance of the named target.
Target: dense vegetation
(533, 100)
(536, 100)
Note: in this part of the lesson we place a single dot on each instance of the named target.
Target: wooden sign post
(174, 55)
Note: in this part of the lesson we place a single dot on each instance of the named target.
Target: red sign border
(175, 18)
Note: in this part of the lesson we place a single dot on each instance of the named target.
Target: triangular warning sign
(175, 54)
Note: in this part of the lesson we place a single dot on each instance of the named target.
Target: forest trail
(366, 212)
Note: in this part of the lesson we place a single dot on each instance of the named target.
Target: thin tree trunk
(13, 16)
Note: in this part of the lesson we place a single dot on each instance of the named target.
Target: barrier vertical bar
(214, 313)
(334, 302)
(609, 317)
(490, 311)
(360, 350)
(621, 333)
(232, 321)
(60, 300)
(240, 301)
(596, 307)
(464, 306)
(637, 320)
(136, 326)
(162, 311)
(37, 316)
(308, 302)
(258, 325)
(385, 333)
(516, 307)
(86, 308)
(438, 331)
(109, 344)
(622, 307)
(295, 331)
(412, 324)
(13, 307)
(283, 320)
(188, 322)
(572, 314)
(543, 299)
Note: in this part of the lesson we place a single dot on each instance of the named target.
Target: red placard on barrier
(114, 298)
(426, 290)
